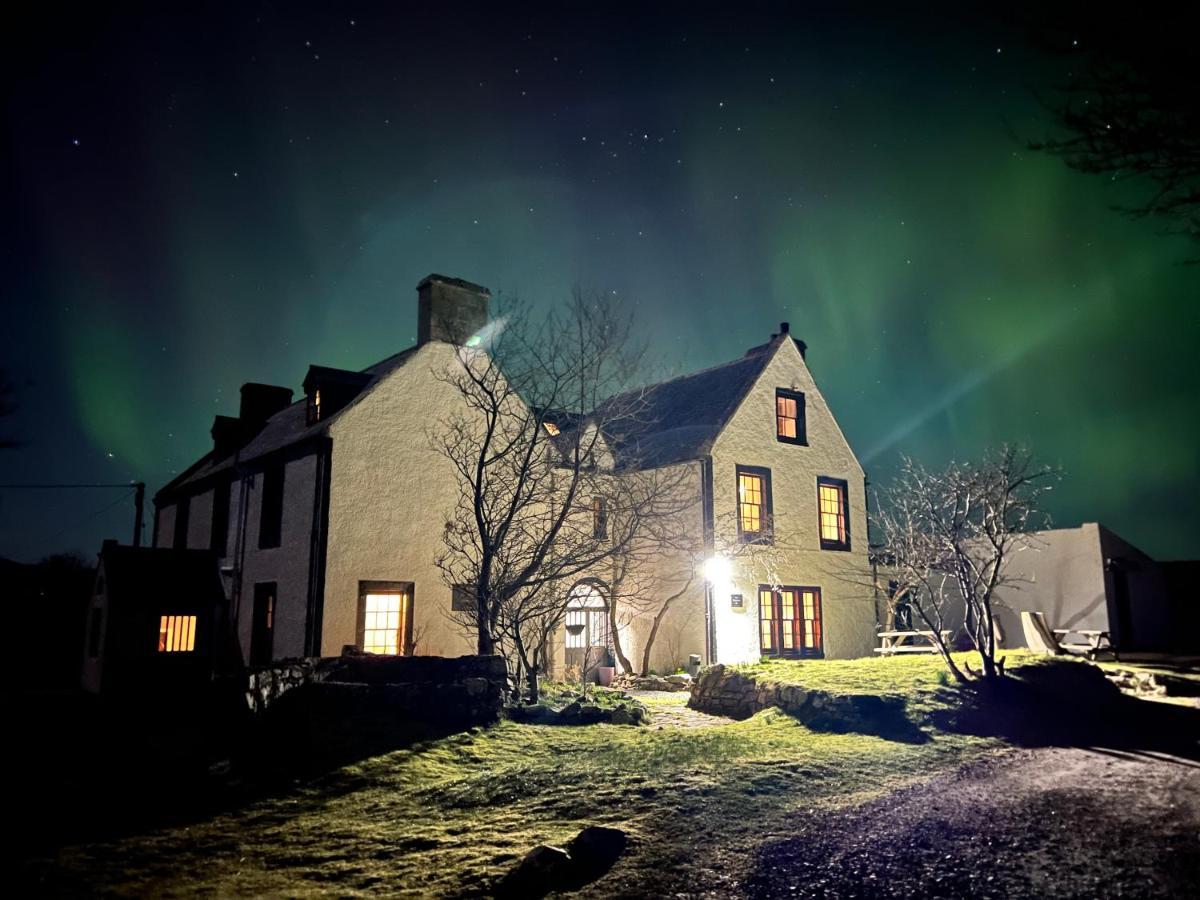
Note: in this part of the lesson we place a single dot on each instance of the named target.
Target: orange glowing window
(833, 514)
(176, 634)
(789, 621)
(789, 417)
(384, 622)
(754, 501)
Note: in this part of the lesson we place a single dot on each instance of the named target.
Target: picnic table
(1094, 640)
(908, 642)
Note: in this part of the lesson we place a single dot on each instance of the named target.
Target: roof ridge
(760, 350)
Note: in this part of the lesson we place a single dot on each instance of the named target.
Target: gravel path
(1047, 822)
(669, 709)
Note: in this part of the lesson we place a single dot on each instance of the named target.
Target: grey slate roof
(675, 420)
(136, 576)
(679, 419)
(286, 428)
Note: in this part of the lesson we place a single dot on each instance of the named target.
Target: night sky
(198, 200)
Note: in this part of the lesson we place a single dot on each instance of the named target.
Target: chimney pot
(783, 327)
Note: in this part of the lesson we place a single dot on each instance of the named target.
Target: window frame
(800, 649)
(264, 641)
(600, 518)
(179, 528)
(312, 407)
(270, 538)
(463, 599)
(843, 487)
(189, 634)
(801, 438)
(767, 510)
(404, 640)
(218, 536)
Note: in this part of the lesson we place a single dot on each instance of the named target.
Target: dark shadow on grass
(880, 716)
(1066, 704)
(85, 771)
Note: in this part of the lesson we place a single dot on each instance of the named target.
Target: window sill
(841, 548)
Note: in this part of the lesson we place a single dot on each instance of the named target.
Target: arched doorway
(588, 642)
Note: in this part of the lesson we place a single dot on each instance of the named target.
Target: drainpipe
(240, 545)
(871, 555)
(706, 500)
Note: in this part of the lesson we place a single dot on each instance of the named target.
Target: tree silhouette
(1129, 110)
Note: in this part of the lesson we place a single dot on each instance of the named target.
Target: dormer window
(330, 390)
(314, 407)
(790, 427)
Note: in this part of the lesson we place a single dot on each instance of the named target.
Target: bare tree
(950, 536)
(652, 575)
(527, 440)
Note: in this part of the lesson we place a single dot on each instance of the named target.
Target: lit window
(599, 518)
(789, 417)
(176, 634)
(789, 621)
(384, 622)
(551, 428)
(754, 502)
(833, 514)
(315, 407)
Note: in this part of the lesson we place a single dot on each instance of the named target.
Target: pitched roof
(286, 428)
(138, 575)
(679, 419)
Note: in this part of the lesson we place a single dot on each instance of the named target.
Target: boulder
(543, 870)
(594, 850)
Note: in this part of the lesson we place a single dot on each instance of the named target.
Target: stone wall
(467, 690)
(723, 691)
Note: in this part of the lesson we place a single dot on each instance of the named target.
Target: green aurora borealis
(237, 208)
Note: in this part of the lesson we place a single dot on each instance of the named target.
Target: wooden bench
(909, 642)
(1093, 641)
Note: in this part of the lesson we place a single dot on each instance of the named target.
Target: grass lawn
(449, 816)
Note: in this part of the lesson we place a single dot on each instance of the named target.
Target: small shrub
(943, 678)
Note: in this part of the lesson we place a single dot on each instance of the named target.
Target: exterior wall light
(717, 570)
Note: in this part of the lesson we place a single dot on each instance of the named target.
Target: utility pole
(139, 501)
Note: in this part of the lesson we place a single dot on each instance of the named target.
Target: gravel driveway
(1047, 822)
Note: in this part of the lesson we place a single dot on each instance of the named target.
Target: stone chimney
(450, 309)
(785, 330)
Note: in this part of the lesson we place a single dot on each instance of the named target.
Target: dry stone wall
(467, 690)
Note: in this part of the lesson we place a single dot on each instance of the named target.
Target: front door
(586, 627)
(262, 629)
(789, 620)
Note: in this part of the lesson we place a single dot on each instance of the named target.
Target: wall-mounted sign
(735, 600)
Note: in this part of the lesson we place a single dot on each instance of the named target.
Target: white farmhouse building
(326, 512)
